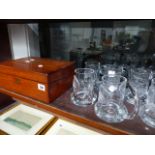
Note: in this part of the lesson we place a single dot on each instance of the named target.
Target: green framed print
(23, 120)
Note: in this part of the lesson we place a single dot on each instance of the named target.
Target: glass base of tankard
(147, 114)
(111, 112)
(80, 100)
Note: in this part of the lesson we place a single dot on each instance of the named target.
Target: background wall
(24, 41)
(18, 41)
(33, 39)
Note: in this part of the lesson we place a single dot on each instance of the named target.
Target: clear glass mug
(83, 87)
(139, 80)
(111, 106)
(111, 69)
(97, 68)
(147, 111)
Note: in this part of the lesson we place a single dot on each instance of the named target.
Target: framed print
(23, 120)
(62, 127)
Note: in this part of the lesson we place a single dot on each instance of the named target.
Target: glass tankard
(97, 68)
(111, 106)
(111, 69)
(139, 80)
(83, 87)
(147, 111)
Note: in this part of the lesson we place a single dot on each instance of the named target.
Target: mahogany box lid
(38, 69)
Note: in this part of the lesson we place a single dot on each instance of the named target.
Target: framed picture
(62, 127)
(23, 120)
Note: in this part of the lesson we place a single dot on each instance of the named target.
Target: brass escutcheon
(17, 81)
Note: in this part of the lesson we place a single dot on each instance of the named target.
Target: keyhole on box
(17, 81)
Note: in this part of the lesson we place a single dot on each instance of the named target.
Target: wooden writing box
(38, 78)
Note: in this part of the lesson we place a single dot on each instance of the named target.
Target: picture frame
(62, 127)
(24, 120)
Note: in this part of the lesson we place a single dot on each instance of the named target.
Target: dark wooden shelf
(62, 107)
